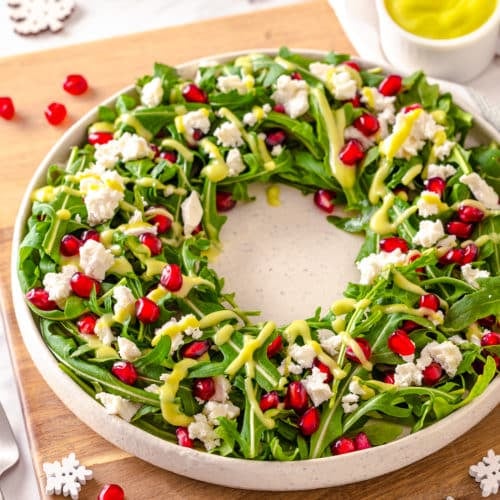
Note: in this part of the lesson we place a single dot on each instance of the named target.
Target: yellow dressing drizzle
(101, 127)
(391, 144)
(63, 214)
(379, 223)
(411, 174)
(173, 329)
(179, 147)
(350, 342)
(217, 317)
(132, 121)
(223, 334)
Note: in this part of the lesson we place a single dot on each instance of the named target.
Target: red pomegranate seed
(70, 245)
(193, 93)
(55, 113)
(39, 297)
(323, 369)
(197, 229)
(323, 199)
(400, 343)
(353, 65)
(361, 441)
(224, 201)
(162, 223)
(146, 310)
(279, 108)
(152, 242)
(462, 230)
(393, 243)
(466, 213)
(75, 84)
(7, 110)
(111, 492)
(204, 388)
(355, 101)
(83, 285)
(86, 323)
(90, 234)
(170, 156)
(275, 347)
(431, 374)
(296, 76)
(352, 152)
(99, 137)
(365, 347)
(171, 277)
(269, 400)
(124, 371)
(409, 326)
(390, 85)
(389, 378)
(367, 124)
(155, 149)
(198, 134)
(488, 321)
(452, 256)
(183, 437)
(309, 421)
(490, 338)
(412, 107)
(469, 254)
(429, 301)
(296, 396)
(435, 185)
(195, 349)
(342, 445)
(275, 137)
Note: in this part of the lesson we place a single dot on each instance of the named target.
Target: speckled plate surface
(284, 277)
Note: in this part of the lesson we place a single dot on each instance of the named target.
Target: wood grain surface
(33, 81)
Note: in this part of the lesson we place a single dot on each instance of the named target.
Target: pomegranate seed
(99, 137)
(193, 93)
(269, 400)
(55, 113)
(86, 323)
(462, 230)
(155, 149)
(197, 229)
(488, 322)
(367, 124)
(409, 326)
(70, 245)
(7, 110)
(343, 445)
(111, 492)
(90, 234)
(296, 76)
(490, 338)
(195, 349)
(393, 243)
(39, 297)
(224, 201)
(466, 213)
(75, 84)
(412, 107)
(83, 285)
(275, 137)
(452, 256)
(365, 347)
(429, 301)
(171, 277)
(353, 65)
(309, 421)
(352, 152)
(390, 85)
(323, 369)
(170, 156)
(183, 437)
(389, 378)
(435, 185)
(152, 242)
(323, 199)
(279, 108)
(124, 371)
(275, 347)
(400, 343)
(431, 374)
(361, 441)
(162, 223)
(469, 254)
(198, 134)
(296, 396)
(204, 388)
(355, 101)
(146, 310)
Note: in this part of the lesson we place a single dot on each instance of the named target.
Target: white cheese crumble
(95, 259)
(196, 120)
(471, 274)
(137, 226)
(234, 82)
(350, 403)
(222, 389)
(329, 342)
(316, 387)
(447, 354)
(154, 388)
(195, 332)
(127, 147)
(372, 265)
(377, 101)
(457, 340)
(103, 330)
(481, 190)
(192, 212)
(353, 133)
(447, 242)
(428, 203)
(337, 78)
(250, 119)
(442, 151)
(292, 94)
(228, 135)
(277, 150)
(152, 93)
(285, 368)
(202, 429)
(213, 410)
(407, 374)
(127, 349)
(429, 233)
(124, 303)
(116, 405)
(441, 171)
(303, 354)
(57, 285)
(234, 162)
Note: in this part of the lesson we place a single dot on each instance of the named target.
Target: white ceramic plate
(287, 281)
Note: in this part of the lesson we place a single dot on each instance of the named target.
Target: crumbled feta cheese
(407, 374)
(228, 135)
(329, 342)
(428, 203)
(277, 150)
(385, 118)
(372, 265)
(481, 190)
(152, 93)
(213, 410)
(128, 350)
(442, 151)
(192, 212)
(201, 429)
(344, 86)
(234, 161)
(457, 340)
(437, 317)
(355, 387)
(58, 285)
(293, 94)
(447, 354)
(95, 259)
(195, 333)
(322, 71)
(441, 171)
(154, 388)
(249, 119)
(303, 354)
(429, 232)
(471, 274)
(447, 242)
(350, 403)
(177, 341)
(376, 100)
(234, 82)
(266, 108)
(134, 147)
(198, 120)
(222, 388)
(107, 155)
(136, 226)
(316, 387)
(103, 330)
(124, 303)
(116, 405)
(353, 133)
(285, 368)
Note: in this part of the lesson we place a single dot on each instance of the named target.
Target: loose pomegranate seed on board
(393, 243)
(431, 374)
(352, 152)
(55, 113)
(83, 285)
(296, 396)
(111, 492)
(195, 349)
(400, 343)
(429, 301)
(75, 84)
(70, 245)
(269, 400)
(342, 445)
(99, 138)
(275, 347)
(467, 213)
(224, 201)
(204, 388)
(146, 310)
(323, 199)
(193, 93)
(7, 110)
(39, 297)
(183, 437)
(124, 371)
(309, 421)
(171, 277)
(86, 323)
(365, 347)
(390, 85)
(462, 230)
(367, 124)
(152, 242)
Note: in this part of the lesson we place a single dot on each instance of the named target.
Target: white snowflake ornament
(31, 17)
(487, 473)
(66, 477)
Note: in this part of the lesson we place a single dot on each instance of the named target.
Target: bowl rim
(200, 465)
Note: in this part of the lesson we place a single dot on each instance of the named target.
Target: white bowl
(457, 59)
(232, 472)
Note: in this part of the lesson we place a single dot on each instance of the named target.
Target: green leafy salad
(115, 261)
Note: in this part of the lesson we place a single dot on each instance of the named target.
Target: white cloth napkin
(360, 23)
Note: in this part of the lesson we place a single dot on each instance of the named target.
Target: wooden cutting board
(33, 81)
